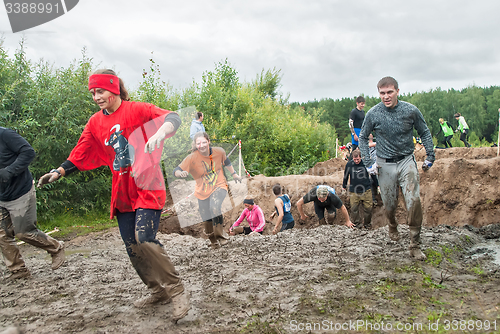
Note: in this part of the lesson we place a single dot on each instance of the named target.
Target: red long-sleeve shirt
(117, 140)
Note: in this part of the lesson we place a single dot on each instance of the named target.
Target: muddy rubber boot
(220, 234)
(368, 219)
(59, 257)
(158, 296)
(21, 273)
(393, 233)
(209, 232)
(415, 250)
(181, 306)
(417, 254)
(322, 221)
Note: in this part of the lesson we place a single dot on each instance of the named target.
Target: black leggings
(447, 141)
(463, 137)
(211, 208)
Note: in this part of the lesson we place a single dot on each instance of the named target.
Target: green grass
(70, 224)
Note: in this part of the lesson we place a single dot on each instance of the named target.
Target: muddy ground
(310, 279)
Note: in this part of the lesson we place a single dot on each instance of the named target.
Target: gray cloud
(325, 48)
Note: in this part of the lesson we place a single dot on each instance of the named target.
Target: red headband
(108, 82)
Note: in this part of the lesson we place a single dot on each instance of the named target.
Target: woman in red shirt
(117, 137)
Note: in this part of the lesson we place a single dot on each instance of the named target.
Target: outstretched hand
(155, 141)
(48, 178)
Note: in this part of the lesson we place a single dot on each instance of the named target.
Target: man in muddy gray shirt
(392, 122)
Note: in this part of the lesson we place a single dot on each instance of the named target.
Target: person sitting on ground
(447, 132)
(324, 197)
(360, 190)
(255, 218)
(283, 205)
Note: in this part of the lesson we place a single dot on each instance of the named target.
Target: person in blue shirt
(356, 118)
(283, 205)
(196, 125)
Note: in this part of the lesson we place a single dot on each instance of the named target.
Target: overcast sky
(324, 48)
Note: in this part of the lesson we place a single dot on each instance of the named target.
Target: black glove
(5, 175)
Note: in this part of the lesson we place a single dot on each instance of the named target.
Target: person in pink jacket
(255, 218)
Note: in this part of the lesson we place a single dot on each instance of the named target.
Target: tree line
(479, 106)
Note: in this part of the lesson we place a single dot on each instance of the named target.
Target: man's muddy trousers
(402, 174)
(18, 219)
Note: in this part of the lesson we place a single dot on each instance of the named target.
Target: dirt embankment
(460, 189)
(327, 279)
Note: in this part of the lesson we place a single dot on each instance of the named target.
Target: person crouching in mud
(205, 165)
(138, 195)
(254, 216)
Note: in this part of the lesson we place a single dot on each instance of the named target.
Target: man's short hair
(386, 82)
(277, 189)
(360, 99)
(199, 114)
(356, 153)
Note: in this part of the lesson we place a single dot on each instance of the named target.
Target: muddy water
(490, 248)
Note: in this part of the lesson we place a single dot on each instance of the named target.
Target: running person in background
(356, 121)
(138, 190)
(254, 216)
(392, 122)
(282, 205)
(447, 132)
(324, 198)
(463, 128)
(205, 165)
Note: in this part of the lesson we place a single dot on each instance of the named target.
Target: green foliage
(278, 139)
(49, 108)
(70, 223)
